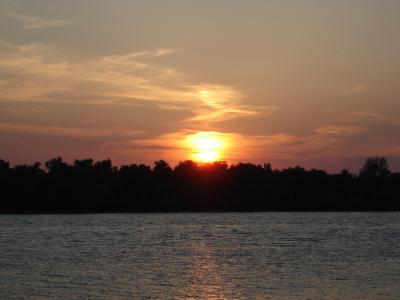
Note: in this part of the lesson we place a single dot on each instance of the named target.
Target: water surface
(201, 256)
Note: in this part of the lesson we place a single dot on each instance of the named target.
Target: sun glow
(206, 146)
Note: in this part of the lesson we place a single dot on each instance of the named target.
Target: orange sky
(306, 82)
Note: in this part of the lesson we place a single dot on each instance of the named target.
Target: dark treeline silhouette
(88, 186)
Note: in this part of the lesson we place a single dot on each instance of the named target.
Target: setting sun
(206, 146)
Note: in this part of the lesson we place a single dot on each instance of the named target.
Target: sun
(206, 146)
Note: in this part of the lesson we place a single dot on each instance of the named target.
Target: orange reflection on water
(206, 276)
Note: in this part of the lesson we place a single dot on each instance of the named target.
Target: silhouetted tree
(4, 165)
(56, 165)
(162, 168)
(375, 166)
(88, 186)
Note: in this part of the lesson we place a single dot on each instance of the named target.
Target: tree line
(89, 186)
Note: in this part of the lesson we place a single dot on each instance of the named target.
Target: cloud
(339, 130)
(356, 88)
(153, 53)
(364, 116)
(66, 131)
(37, 72)
(175, 146)
(11, 10)
(29, 22)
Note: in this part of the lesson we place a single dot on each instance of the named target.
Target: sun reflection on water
(206, 275)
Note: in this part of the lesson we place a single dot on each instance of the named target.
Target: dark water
(201, 256)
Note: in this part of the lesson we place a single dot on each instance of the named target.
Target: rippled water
(201, 256)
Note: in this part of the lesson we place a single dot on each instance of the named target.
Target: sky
(314, 83)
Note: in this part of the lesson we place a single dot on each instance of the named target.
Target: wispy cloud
(356, 88)
(15, 12)
(339, 130)
(66, 131)
(40, 73)
(174, 146)
(29, 22)
(356, 116)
